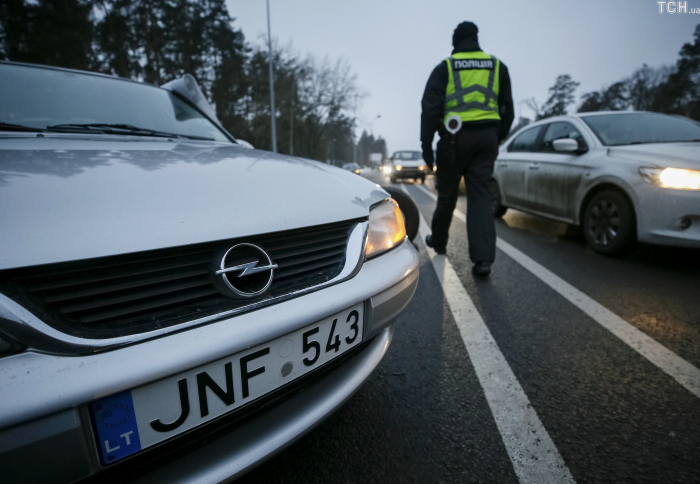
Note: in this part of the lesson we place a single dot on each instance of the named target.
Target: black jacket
(433, 103)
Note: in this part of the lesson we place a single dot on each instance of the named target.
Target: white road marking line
(532, 452)
(680, 370)
(683, 372)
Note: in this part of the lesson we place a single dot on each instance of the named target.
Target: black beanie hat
(463, 31)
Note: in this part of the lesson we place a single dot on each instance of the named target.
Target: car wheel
(392, 179)
(422, 180)
(498, 209)
(609, 223)
(409, 209)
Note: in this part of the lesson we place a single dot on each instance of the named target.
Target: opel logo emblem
(245, 270)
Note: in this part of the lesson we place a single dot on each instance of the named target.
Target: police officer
(467, 94)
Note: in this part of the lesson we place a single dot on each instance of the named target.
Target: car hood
(64, 198)
(675, 155)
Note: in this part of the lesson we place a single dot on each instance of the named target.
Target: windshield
(40, 98)
(638, 128)
(407, 156)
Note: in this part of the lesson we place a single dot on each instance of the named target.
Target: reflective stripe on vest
(468, 78)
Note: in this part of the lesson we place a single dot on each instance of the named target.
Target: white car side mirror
(567, 145)
(187, 86)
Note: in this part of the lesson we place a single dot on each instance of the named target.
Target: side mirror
(566, 145)
(187, 87)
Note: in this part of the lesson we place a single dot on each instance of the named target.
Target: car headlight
(398, 167)
(387, 169)
(422, 167)
(386, 228)
(677, 178)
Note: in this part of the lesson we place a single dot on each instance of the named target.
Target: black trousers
(476, 150)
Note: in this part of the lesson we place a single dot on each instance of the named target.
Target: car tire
(409, 209)
(392, 179)
(609, 223)
(422, 180)
(499, 210)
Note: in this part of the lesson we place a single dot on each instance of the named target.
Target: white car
(174, 305)
(622, 176)
(408, 164)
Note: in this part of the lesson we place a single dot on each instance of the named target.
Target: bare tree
(534, 106)
(328, 90)
(328, 95)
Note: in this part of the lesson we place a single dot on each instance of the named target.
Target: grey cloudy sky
(393, 45)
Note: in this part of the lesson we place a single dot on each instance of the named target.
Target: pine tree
(49, 32)
(561, 96)
(680, 94)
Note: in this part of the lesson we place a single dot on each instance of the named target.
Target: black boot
(481, 269)
(429, 243)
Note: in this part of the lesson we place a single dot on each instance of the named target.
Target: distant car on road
(353, 167)
(173, 302)
(621, 176)
(408, 165)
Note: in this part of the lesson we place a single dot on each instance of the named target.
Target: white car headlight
(386, 228)
(677, 178)
(398, 167)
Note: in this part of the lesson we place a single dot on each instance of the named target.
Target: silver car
(408, 164)
(622, 176)
(175, 306)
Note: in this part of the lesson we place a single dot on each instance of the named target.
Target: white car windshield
(640, 128)
(34, 98)
(408, 156)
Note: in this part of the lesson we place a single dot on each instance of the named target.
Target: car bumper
(408, 174)
(662, 213)
(45, 433)
(247, 446)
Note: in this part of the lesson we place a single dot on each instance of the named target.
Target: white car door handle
(534, 166)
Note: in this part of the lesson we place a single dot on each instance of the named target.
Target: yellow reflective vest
(472, 94)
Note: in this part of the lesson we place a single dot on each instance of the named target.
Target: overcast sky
(393, 45)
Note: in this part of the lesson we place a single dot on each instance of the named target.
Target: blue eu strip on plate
(115, 427)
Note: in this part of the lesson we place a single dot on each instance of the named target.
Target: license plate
(136, 419)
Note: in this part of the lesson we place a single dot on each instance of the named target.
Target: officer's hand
(428, 158)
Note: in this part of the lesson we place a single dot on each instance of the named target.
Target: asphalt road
(563, 366)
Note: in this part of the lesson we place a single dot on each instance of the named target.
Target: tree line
(155, 41)
(671, 89)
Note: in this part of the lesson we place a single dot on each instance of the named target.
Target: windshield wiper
(125, 129)
(17, 127)
(110, 129)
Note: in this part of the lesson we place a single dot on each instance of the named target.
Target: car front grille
(135, 293)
